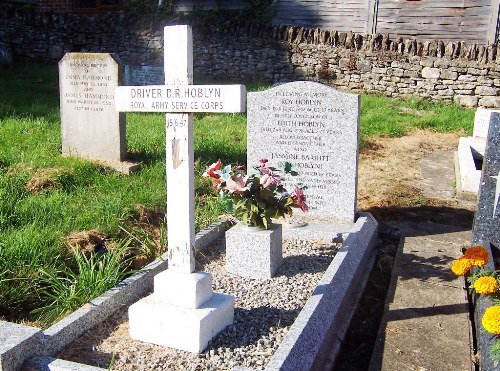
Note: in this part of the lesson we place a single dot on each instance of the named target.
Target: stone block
(465, 100)
(252, 252)
(430, 73)
(449, 75)
(186, 329)
(188, 290)
(493, 102)
(427, 62)
(17, 344)
(486, 90)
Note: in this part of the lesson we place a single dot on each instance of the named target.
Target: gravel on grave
(264, 312)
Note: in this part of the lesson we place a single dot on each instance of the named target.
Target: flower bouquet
(256, 198)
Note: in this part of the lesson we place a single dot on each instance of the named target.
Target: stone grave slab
(91, 128)
(315, 128)
(486, 228)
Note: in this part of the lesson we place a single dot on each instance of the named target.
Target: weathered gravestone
(183, 312)
(90, 126)
(315, 128)
(486, 228)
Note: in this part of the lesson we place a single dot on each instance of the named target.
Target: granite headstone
(90, 126)
(486, 229)
(315, 128)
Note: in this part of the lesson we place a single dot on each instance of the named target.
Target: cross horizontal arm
(181, 98)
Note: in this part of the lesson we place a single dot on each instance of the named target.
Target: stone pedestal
(182, 313)
(252, 252)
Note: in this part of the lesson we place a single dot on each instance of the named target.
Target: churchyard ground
(49, 203)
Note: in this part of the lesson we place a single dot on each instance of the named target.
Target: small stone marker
(90, 126)
(315, 128)
(183, 312)
(486, 229)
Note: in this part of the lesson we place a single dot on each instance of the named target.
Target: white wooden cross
(180, 99)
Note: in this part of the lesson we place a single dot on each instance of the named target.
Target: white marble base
(188, 290)
(186, 329)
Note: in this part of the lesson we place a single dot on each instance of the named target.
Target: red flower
(299, 198)
(210, 172)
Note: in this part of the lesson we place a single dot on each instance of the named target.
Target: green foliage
(477, 273)
(495, 351)
(70, 289)
(382, 116)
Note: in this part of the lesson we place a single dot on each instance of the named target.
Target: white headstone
(315, 128)
(90, 126)
(183, 312)
(482, 122)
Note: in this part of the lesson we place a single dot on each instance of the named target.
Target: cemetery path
(425, 320)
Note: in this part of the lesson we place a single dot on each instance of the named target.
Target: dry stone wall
(468, 74)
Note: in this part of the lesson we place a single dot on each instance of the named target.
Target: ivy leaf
(288, 168)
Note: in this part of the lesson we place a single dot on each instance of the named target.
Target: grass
(382, 116)
(45, 197)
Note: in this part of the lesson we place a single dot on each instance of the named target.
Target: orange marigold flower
(461, 266)
(491, 319)
(486, 285)
(477, 255)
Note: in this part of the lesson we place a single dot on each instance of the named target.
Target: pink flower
(266, 180)
(210, 172)
(263, 162)
(238, 184)
(299, 198)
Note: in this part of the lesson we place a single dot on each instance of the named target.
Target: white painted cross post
(183, 312)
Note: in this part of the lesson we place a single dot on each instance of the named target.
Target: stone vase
(252, 252)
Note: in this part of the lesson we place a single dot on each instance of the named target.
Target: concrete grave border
(313, 341)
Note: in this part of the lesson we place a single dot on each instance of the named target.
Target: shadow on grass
(147, 158)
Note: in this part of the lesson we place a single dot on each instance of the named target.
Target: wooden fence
(467, 20)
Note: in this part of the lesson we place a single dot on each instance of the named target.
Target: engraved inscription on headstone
(482, 122)
(90, 126)
(315, 128)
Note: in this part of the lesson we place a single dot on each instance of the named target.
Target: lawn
(45, 199)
